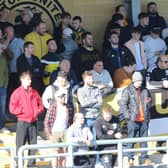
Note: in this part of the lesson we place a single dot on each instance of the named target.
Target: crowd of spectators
(54, 67)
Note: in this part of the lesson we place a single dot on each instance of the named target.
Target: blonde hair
(86, 73)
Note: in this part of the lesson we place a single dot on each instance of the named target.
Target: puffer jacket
(129, 105)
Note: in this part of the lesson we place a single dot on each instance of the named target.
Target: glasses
(165, 62)
(100, 65)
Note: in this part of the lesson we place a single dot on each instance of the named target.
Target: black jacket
(35, 69)
(110, 58)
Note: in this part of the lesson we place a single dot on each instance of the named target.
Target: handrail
(120, 150)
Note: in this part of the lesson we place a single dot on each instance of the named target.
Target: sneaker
(4, 130)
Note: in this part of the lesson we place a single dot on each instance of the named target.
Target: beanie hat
(67, 31)
(137, 76)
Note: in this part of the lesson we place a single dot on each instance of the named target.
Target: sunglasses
(165, 62)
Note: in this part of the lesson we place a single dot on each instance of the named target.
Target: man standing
(115, 55)
(90, 99)
(78, 29)
(39, 37)
(134, 106)
(84, 58)
(28, 62)
(26, 104)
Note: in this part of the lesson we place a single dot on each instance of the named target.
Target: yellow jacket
(39, 43)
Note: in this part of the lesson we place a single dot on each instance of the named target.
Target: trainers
(4, 130)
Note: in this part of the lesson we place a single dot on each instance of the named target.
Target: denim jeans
(90, 123)
(139, 129)
(3, 94)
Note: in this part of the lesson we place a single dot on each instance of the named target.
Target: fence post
(12, 157)
(20, 157)
(70, 156)
(120, 155)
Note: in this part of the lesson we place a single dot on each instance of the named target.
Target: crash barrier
(158, 110)
(120, 149)
(10, 151)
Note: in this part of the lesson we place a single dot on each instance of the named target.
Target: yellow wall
(95, 14)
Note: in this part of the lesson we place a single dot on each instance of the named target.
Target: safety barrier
(11, 153)
(120, 149)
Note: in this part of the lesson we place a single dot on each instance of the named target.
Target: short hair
(38, 22)
(118, 7)
(65, 14)
(116, 17)
(151, 3)
(98, 60)
(77, 18)
(136, 30)
(142, 15)
(76, 115)
(24, 74)
(85, 34)
(86, 73)
(112, 32)
(129, 61)
(106, 109)
(3, 8)
(26, 44)
(51, 39)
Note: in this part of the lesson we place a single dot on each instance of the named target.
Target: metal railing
(10, 150)
(120, 149)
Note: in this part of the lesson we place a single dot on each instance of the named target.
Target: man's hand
(110, 132)
(165, 83)
(118, 135)
(87, 142)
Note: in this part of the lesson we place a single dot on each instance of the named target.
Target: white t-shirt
(60, 123)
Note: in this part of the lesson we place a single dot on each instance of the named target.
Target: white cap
(137, 76)
(67, 32)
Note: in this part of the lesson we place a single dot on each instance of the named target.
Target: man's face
(76, 24)
(123, 11)
(30, 49)
(136, 36)
(88, 41)
(145, 21)
(138, 84)
(66, 20)
(9, 31)
(114, 39)
(62, 81)
(52, 46)
(98, 66)
(26, 81)
(80, 119)
(153, 9)
(107, 116)
(163, 63)
(5, 13)
(65, 66)
(88, 80)
(41, 29)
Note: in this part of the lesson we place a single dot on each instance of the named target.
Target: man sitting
(107, 127)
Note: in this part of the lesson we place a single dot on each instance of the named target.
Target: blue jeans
(3, 94)
(139, 129)
(90, 123)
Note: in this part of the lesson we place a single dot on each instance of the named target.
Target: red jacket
(26, 105)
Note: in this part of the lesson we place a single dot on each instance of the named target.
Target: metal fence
(120, 149)
(10, 150)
